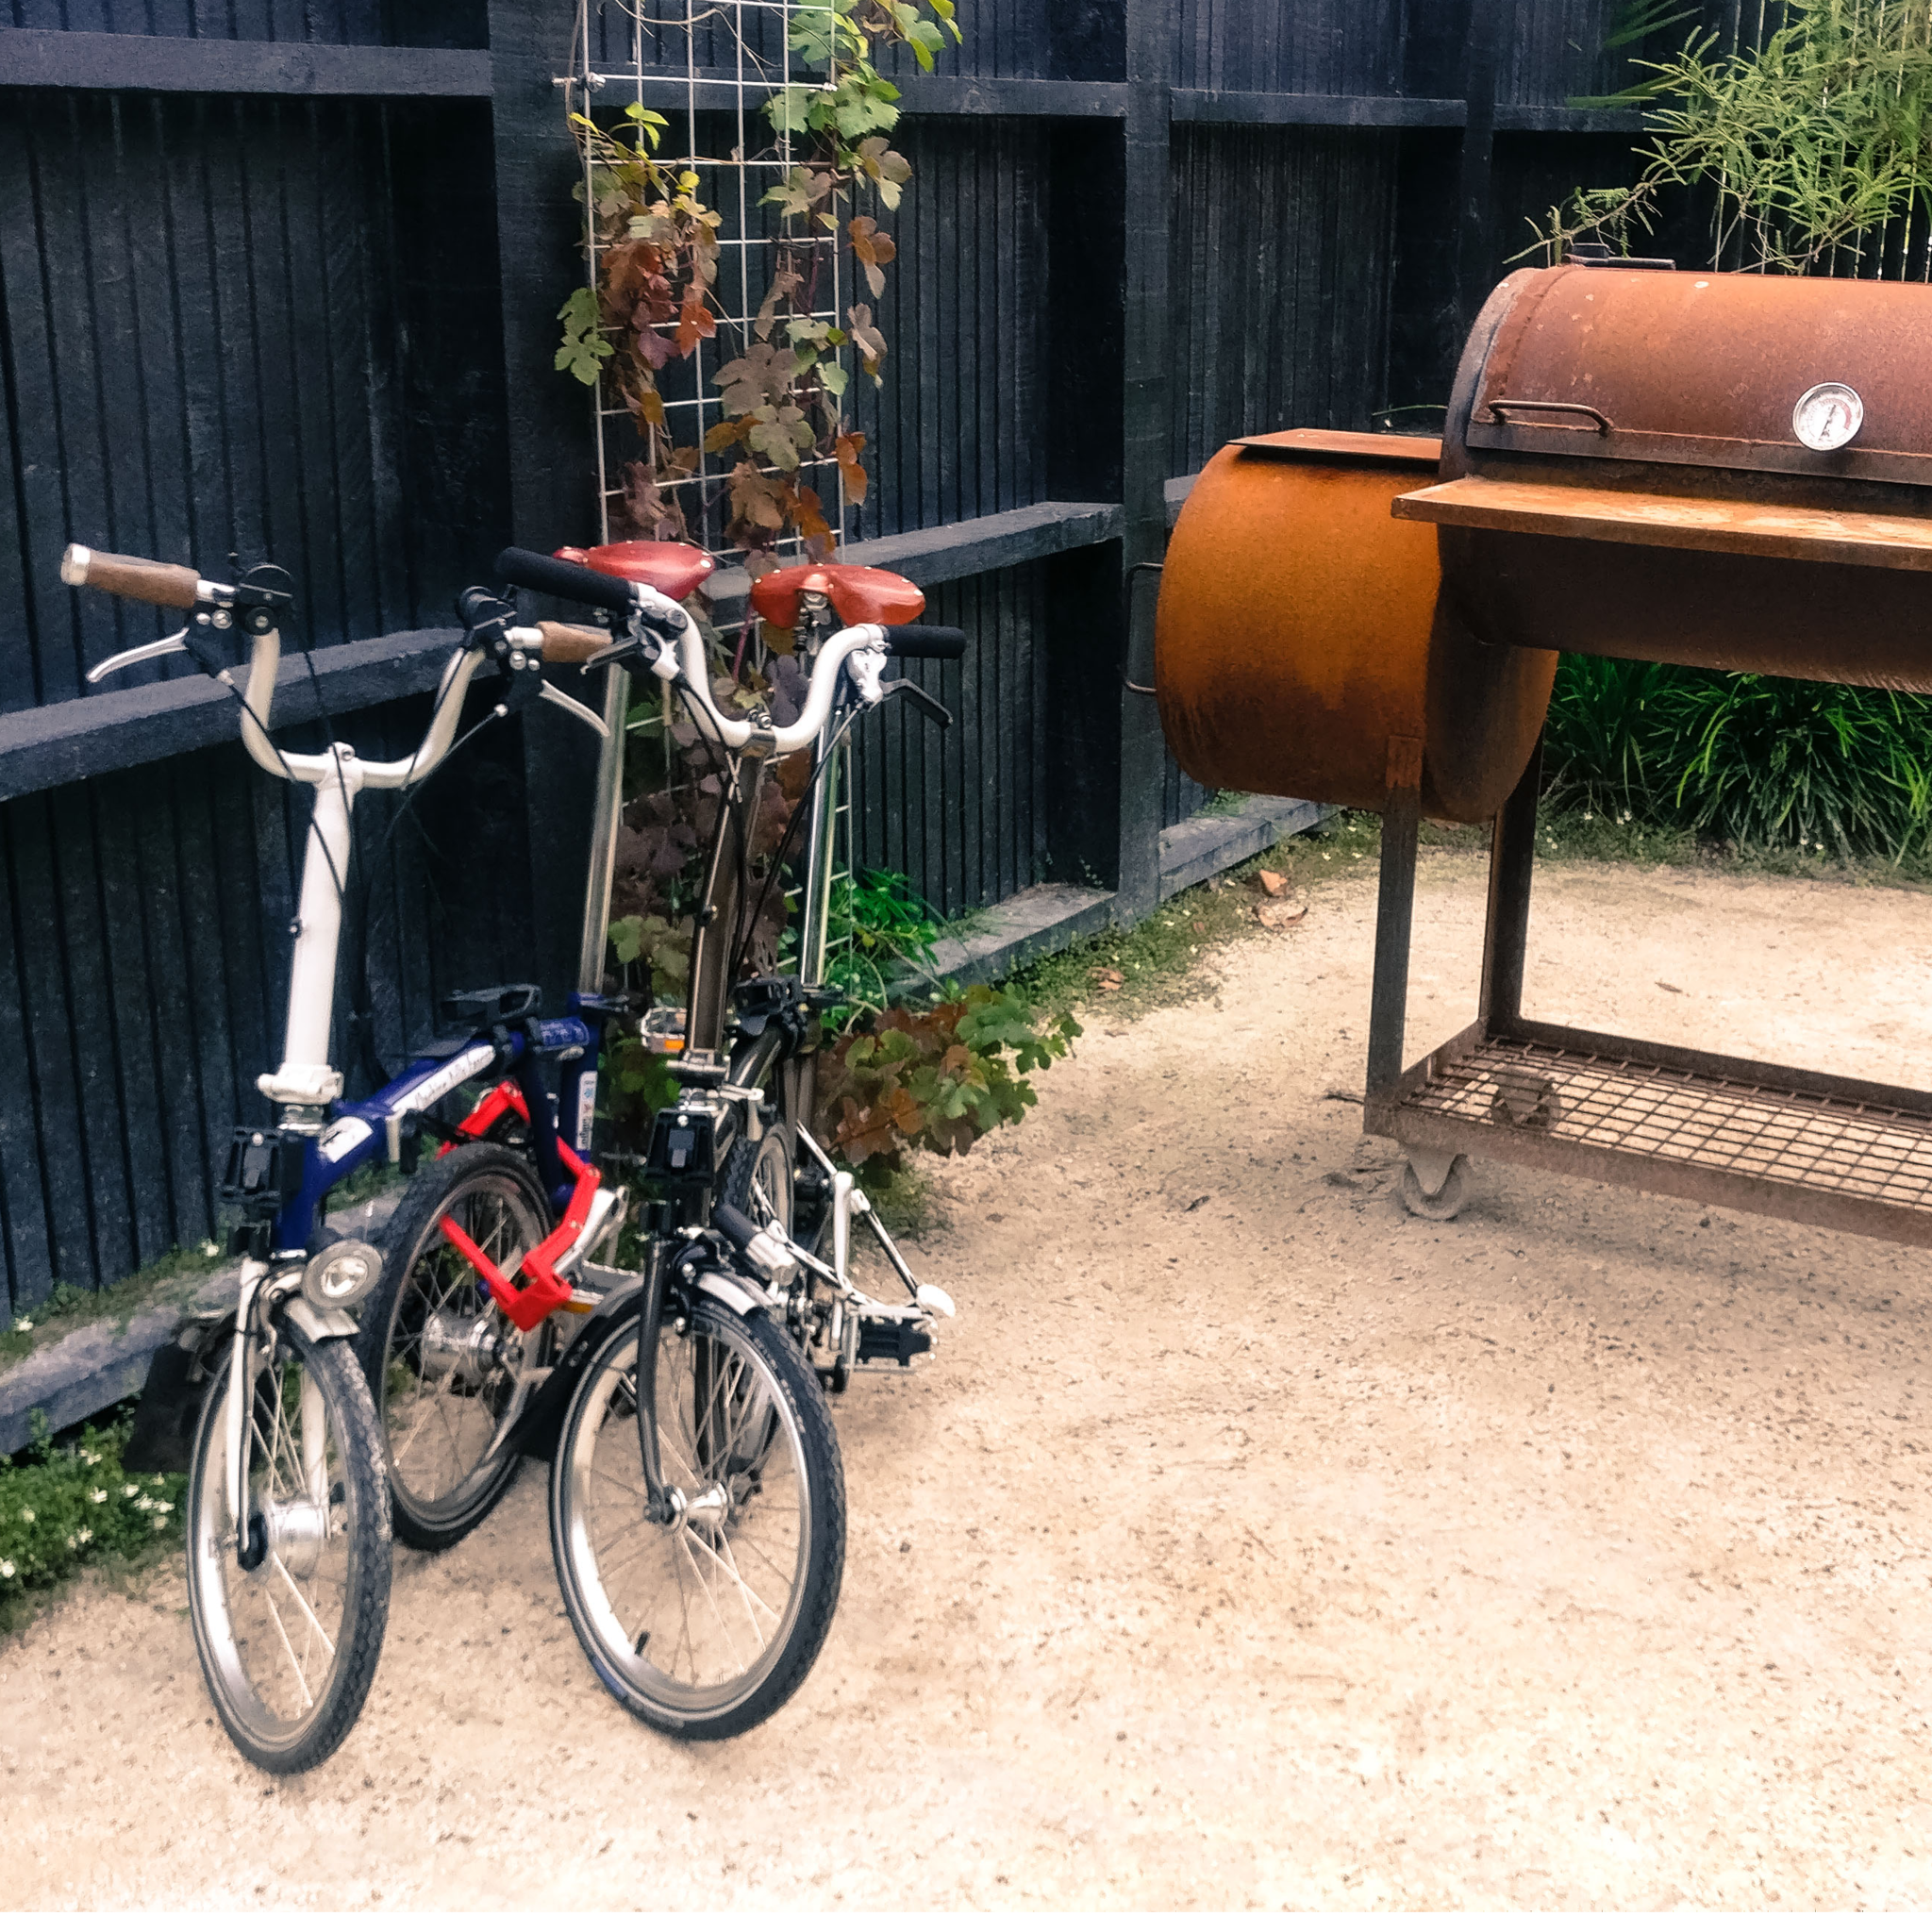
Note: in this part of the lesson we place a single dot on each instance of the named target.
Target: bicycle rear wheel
(442, 1358)
(289, 1628)
(704, 1626)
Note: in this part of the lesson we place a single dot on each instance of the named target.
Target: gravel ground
(1248, 1543)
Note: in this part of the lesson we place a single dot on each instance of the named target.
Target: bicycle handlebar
(179, 587)
(172, 585)
(925, 641)
(570, 581)
(671, 634)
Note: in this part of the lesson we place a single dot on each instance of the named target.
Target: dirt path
(1249, 1544)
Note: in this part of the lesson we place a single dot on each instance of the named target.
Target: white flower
(90, 1457)
(6, 1568)
(130, 1490)
(27, 1515)
(84, 1535)
(1588, 817)
(70, 1542)
(211, 1248)
(23, 1326)
(97, 1495)
(143, 1502)
(162, 1509)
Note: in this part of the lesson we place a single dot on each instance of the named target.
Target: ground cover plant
(63, 1505)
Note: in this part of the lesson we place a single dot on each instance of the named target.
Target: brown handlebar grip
(172, 584)
(571, 643)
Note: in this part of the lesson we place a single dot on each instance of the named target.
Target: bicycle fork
(245, 1366)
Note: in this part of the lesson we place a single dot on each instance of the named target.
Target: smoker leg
(1506, 936)
(1394, 913)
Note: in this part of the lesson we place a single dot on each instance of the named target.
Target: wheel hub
(465, 1350)
(710, 1510)
(295, 1530)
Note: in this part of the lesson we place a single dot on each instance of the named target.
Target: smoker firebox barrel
(1300, 649)
(1725, 471)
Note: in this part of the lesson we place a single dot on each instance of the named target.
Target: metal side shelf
(1805, 1147)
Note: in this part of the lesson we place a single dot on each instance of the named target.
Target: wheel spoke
(289, 1649)
(723, 1560)
(301, 1601)
(685, 1544)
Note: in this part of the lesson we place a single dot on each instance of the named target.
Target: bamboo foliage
(1809, 146)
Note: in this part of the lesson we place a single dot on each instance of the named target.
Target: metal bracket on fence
(1146, 691)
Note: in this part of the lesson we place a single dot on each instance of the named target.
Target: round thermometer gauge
(1828, 416)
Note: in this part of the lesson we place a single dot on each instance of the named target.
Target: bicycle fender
(161, 1441)
(314, 1323)
(740, 1296)
(536, 1430)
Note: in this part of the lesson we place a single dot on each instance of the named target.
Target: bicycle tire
(770, 1163)
(440, 1408)
(226, 1602)
(705, 1702)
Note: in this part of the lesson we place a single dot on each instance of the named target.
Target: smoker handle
(1602, 424)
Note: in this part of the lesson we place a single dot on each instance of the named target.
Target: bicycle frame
(711, 970)
(329, 1141)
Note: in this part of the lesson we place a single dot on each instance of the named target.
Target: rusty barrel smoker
(1726, 471)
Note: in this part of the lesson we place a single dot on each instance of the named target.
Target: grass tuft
(1129, 971)
(169, 1281)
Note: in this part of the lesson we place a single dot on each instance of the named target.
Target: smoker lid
(1652, 366)
(1351, 446)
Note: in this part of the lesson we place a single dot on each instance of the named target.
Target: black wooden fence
(279, 276)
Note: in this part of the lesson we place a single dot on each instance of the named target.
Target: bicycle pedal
(894, 1343)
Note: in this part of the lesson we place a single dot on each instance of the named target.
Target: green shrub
(1763, 762)
(937, 1079)
(874, 923)
(61, 1508)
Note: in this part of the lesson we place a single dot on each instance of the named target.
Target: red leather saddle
(675, 570)
(859, 593)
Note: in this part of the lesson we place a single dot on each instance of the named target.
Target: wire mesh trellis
(730, 56)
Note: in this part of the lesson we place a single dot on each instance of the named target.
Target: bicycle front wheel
(705, 1624)
(289, 1625)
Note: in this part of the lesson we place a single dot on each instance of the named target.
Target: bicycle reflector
(340, 1276)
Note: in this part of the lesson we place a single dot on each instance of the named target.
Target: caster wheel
(1447, 1202)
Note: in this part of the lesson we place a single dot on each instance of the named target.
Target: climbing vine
(780, 376)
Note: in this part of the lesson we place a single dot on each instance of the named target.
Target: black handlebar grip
(925, 641)
(741, 1229)
(570, 581)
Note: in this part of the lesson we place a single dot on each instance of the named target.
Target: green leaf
(584, 348)
(925, 40)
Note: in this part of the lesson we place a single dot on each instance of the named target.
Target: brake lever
(920, 698)
(161, 647)
(583, 714)
(643, 641)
